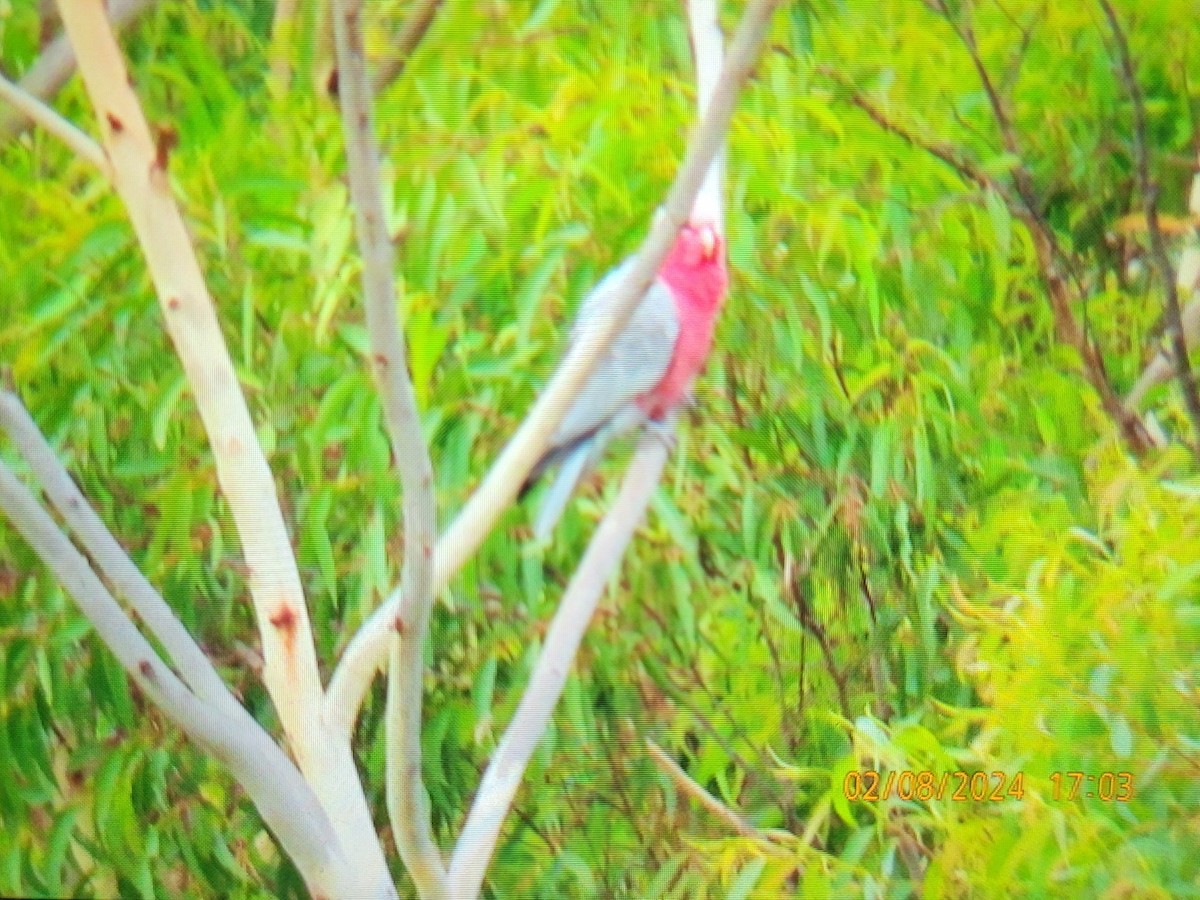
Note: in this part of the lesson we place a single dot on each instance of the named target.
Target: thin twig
(283, 27)
(290, 664)
(963, 166)
(54, 67)
(1158, 247)
(40, 114)
(193, 666)
(1050, 253)
(688, 785)
(369, 647)
(402, 47)
(408, 804)
(1022, 203)
(476, 843)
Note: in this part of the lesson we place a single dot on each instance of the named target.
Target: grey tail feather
(575, 461)
(551, 458)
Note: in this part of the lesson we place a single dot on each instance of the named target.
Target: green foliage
(898, 532)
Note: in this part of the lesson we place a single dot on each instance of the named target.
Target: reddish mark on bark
(146, 669)
(399, 625)
(428, 551)
(173, 303)
(285, 619)
(114, 123)
(166, 141)
(380, 360)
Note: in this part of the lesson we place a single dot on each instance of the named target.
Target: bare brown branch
(405, 44)
(1158, 248)
(688, 785)
(1055, 265)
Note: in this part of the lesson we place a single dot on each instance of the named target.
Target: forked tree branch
(498, 788)
(477, 842)
(369, 647)
(1158, 247)
(283, 798)
(30, 107)
(408, 804)
(290, 665)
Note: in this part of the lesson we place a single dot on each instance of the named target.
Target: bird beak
(708, 241)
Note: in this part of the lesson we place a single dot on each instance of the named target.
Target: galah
(649, 367)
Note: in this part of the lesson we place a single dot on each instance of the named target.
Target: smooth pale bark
(278, 790)
(33, 109)
(407, 802)
(493, 800)
(290, 666)
(56, 64)
(193, 666)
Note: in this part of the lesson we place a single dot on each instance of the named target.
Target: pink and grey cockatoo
(648, 369)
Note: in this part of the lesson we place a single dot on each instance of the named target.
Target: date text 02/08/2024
(870, 785)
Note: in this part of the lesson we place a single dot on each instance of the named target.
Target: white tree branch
(408, 804)
(369, 647)
(41, 114)
(193, 666)
(54, 67)
(708, 52)
(290, 666)
(476, 843)
(282, 796)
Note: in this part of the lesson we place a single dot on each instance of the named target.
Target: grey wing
(635, 362)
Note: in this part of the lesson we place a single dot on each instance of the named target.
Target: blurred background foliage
(898, 532)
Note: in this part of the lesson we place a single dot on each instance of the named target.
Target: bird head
(695, 264)
(698, 244)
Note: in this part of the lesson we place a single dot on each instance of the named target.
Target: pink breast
(697, 284)
(691, 351)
